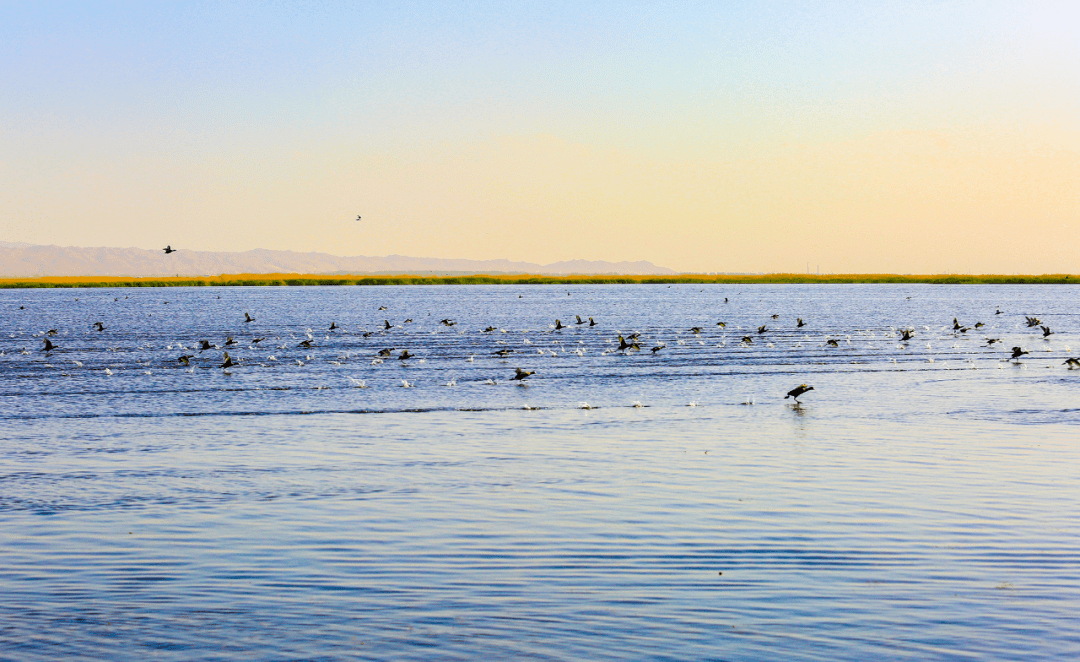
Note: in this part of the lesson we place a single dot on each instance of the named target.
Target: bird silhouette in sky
(169, 249)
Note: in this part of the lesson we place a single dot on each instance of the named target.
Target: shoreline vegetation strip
(279, 280)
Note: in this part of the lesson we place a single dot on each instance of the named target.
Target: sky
(908, 137)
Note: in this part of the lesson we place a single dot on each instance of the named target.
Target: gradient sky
(733, 137)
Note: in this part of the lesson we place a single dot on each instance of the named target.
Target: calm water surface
(921, 503)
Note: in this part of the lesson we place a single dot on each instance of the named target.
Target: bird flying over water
(762, 329)
(228, 362)
(1032, 321)
(248, 318)
(522, 374)
(1072, 363)
(185, 359)
(906, 334)
(579, 320)
(558, 325)
(387, 351)
(205, 345)
(447, 322)
(405, 355)
(387, 325)
(797, 391)
(169, 249)
(305, 343)
(832, 342)
(591, 322)
(800, 323)
(1046, 331)
(333, 325)
(48, 346)
(1017, 352)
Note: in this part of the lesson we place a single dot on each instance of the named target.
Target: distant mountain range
(27, 261)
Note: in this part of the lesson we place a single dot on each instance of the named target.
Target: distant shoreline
(264, 280)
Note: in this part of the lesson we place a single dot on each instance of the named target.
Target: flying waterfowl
(205, 345)
(623, 345)
(51, 332)
(387, 351)
(591, 322)
(1072, 363)
(762, 329)
(905, 334)
(579, 320)
(1046, 331)
(503, 353)
(657, 348)
(169, 249)
(489, 329)
(997, 312)
(256, 341)
(229, 341)
(990, 341)
(800, 324)
(696, 330)
(387, 325)
(333, 325)
(446, 322)
(522, 374)
(797, 391)
(405, 355)
(979, 325)
(748, 340)
(776, 317)
(558, 325)
(1032, 321)
(98, 326)
(248, 318)
(382, 307)
(722, 325)
(228, 362)
(48, 346)
(1017, 352)
(832, 342)
(185, 359)
(305, 343)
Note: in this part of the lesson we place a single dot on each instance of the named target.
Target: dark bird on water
(230, 341)
(205, 345)
(748, 340)
(333, 325)
(98, 326)
(522, 374)
(905, 334)
(503, 353)
(382, 307)
(832, 343)
(558, 325)
(990, 341)
(169, 249)
(762, 329)
(695, 330)
(797, 391)
(776, 317)
(387, 325)
(1018, 352)
(248, 318)
(997, 312)
(185, 359)
(1072, 363)
(979, 325)
(447, 322)
(228, 361)
(405, 355)
(48, 346)
(801, 323)
(51, 332)
(489, 329)
(722, 325)
(1046, 331)
(657, 348)
(387, 351)
(305, 343)
(256, 341)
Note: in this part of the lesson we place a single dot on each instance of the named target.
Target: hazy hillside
(26, 260)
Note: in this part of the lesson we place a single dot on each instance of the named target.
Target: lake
(320, 501)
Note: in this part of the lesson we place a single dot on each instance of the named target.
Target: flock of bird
(390, 341)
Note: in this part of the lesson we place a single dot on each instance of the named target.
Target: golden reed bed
(524, 279)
